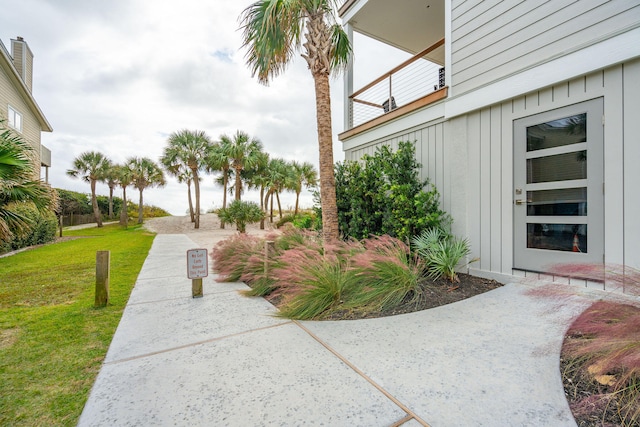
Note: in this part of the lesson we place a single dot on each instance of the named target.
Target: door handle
(521, 201)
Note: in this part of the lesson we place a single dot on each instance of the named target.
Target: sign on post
(197, 264)
(197, 268)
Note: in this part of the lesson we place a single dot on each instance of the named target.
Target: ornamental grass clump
(313, 283)
(602, 351)
(389, 275)
(230, 257)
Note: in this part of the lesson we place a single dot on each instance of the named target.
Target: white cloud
(120, 76)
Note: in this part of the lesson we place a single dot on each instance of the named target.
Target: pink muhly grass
(230, 256)
(609, 333)
(388, 272)
(605, 338)
(310, 283)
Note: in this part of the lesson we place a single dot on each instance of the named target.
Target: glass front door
(558, 187)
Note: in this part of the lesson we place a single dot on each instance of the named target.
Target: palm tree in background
(91, 166)
(18, 183)
(273, 32)
(243, 152)
(111, 179)
(123, 177)
(303, 174)
(218, 161)
(145, 173)
(184, 175)
(189, 148)
(279, 177)
(259, 179)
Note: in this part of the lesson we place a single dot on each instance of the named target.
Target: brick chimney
(23, 60)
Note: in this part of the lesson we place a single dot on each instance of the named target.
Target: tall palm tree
(259, 179)
(273, 32)
(279, 177)
(243, 152)
(145, 173)
(123, 177)
(18, 183)
(111, 179)
(218, 161)
(91, 166)
(184, 175)
(189, 148)
(304, 174)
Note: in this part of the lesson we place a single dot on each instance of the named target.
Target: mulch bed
(436, 293)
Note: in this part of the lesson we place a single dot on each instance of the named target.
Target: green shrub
(148, 211)
(382, 194)
(241, 213)
(306, 221)
(42, 228)
(285, 220)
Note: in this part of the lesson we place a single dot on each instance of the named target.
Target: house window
(15, 119)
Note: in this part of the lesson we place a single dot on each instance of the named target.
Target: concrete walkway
(225, 360)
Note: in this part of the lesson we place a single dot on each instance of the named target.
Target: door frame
(533, 259)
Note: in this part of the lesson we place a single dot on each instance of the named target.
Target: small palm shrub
(241, 213)
(388, 273)
(602, 349)
(442, 252)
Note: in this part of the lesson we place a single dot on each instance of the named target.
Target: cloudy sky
(119, 76)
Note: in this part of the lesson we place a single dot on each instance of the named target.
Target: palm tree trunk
(110, 201)
(140, 209)
(224, 194)
(295, 212)
(196, 186)
(262, 206)
(271, 217)
(238, 183)
(124, 219)
(330, 230)
(191, 213)
(94, 204)
(279, 206)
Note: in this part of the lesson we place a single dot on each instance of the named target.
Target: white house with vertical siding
(18, 107)
(525, 115)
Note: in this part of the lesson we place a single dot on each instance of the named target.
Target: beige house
(18, 108)
(525, 115)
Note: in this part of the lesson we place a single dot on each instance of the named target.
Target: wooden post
(103, 260)
(196, 288)
(269, 247)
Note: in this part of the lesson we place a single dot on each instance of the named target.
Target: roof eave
(7, 64)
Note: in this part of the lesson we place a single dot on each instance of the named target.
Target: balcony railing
(414, 79)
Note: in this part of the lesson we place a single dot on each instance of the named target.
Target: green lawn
(52, 339)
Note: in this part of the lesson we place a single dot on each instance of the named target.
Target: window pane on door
(559, 202)
(557, 237)
(556, 133)
(559, 167)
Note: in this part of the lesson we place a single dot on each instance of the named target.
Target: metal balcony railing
(413, 79)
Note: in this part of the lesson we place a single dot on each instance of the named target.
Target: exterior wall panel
(30, 124)
(501, 48)
(631, 171)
